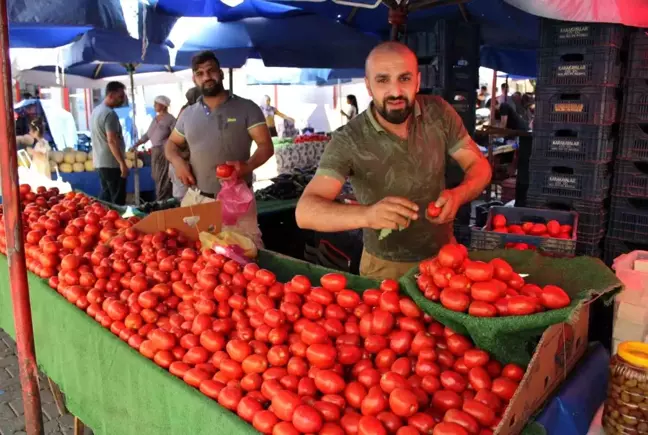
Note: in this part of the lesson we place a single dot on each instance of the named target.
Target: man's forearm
(171, 153)
(320, 214)
(475, 181)
(116, 151)
(260, 156)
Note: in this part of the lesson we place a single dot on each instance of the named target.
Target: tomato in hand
(432, 210)
(224, 171)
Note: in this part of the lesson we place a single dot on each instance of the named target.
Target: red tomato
(451, 256)
(513, 372)
(389, 285)
(479, 378)
(478, 410)
(521, 305)
(329, 382)
(486, 291)
(264, 421)
(432, 210)
(453, 381)
(482, 309)
(499, 221)
(374, 402)
(333, 282)
(479, 271)
(553, 297)
(504, 388)
(455, 300)
(403, 402)
(284, 404)
(307, 419)
(445, 400)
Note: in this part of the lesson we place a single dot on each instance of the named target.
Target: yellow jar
(626, 407)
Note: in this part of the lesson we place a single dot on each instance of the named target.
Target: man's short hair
(484, 87)
(115, 87)
(504, 85)
(202, 57)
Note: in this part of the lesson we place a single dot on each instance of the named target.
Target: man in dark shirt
(507, 117)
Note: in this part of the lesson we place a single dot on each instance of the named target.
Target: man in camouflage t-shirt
(394, 154)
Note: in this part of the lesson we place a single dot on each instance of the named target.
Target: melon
(69, 157)
(130, 155)
(53, 166)
(80, 156)
(65, 167)
(56, 156)
(89, 166)
(129, 163)
(78, 167)
(140, 163)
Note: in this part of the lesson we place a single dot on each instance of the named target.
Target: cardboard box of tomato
(188, 220)
(550, 232)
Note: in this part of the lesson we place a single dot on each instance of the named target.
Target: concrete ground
(11, 407)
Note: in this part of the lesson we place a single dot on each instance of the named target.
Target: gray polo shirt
(104, 120)
(215, 137)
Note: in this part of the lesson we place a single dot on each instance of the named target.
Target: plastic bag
(230, 244)
(235, 197)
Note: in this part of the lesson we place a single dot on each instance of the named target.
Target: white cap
(161, 99)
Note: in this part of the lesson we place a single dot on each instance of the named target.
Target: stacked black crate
(628, 228)
(575, 130)
(448, 55)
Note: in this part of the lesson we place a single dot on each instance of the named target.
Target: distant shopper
(269, 112)
(352, 102)
(108, 145)
(482, 97)
(158, 133)
(40, 147)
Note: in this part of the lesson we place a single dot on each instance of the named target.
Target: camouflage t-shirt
(380, 164)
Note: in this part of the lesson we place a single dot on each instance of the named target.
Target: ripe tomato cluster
(550, 229)
(483, 289)
(288, 358)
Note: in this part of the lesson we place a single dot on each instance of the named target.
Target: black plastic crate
(577, 180)
(579, 66)
(576, 142)
(487, 239)
(633, 142)
(590, 249)
(564, 33)
(629, 218)
(630, 179)
(440, 71)
(638, 57)
(591, 214)
(577, 105)
(614, 248)
(635, 101)
(462, 234)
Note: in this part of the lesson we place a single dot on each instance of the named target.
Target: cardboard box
(559, 349)
(190, 221)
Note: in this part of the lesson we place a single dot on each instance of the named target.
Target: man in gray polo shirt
(219, 128)
(108, 145)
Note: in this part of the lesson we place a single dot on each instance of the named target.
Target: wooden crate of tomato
(547, 231)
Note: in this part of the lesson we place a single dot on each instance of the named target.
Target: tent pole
(27, 368)
(136, 180)
(231, 82)
(491, 158)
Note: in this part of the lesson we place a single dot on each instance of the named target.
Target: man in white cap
(158, 133)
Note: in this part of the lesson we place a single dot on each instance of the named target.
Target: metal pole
(27, 368)
(231, 83)
(491, 157)
(136, 180)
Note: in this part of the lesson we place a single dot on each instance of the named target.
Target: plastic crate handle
(641, 167)
(638, 203)
(572, 57)
(566, 133)
(562, 170)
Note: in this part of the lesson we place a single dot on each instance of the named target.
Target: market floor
(11, 407)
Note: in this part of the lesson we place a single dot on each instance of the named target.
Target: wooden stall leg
(79, 427)
(58, 397)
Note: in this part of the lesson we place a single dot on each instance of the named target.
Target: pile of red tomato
(483, 289)
(305, 138)
(551, 229)
(288, 358)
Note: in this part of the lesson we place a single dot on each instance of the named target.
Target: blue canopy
(105, 46)
(224, 13)
(301, 76)
(58, 22)
(101, 70)
(300, 40)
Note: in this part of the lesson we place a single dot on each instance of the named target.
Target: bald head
(389, 50)
(392, 79)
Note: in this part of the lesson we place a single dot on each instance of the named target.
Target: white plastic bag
(27, 175)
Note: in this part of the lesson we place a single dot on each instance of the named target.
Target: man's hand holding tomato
(391, 213)
(241, 169)
(444, 209)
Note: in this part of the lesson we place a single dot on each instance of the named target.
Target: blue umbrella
(59, 22)
(302, 41)
(224, 13)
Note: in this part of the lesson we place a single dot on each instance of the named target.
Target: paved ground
(11, 407)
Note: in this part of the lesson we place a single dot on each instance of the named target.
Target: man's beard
(213, 90)
(397, 116)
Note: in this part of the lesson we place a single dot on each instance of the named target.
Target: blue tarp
(97, 70)
(301, 41)
(305, 76)
(224, 13)
(41, 24)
